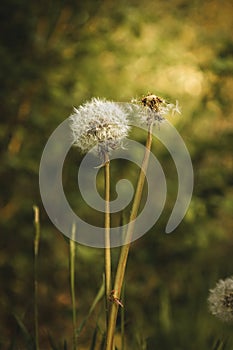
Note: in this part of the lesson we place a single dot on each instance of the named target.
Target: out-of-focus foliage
(58, 54)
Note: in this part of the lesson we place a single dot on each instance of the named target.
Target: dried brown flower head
(221, 300)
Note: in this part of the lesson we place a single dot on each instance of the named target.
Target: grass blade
(98, 297)
(36, 251)
(27, 336)
(72, 283)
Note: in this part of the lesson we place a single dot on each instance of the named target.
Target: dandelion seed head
(155, 109)
(99, 123)
(221, 300)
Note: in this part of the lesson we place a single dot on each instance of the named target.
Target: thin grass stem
(72, 284)
(123, 319)
(36, 251)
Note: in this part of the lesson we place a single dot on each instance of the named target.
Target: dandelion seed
(99, 123)
(176, 108)
(221, 300)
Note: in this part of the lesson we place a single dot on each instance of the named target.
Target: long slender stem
(123, 319)
(36, 250)
(107, 236)
(72, 285)
(125, 249)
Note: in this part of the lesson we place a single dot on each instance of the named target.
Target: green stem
(72, 284)
(36, 250)
(107, 235)
(125, 249)
(123, 319)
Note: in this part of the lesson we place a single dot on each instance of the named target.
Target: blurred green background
(58, 54)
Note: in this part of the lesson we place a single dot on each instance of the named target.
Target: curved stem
(125, 249)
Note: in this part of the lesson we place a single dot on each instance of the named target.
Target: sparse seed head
(221, 300)
(154, 109)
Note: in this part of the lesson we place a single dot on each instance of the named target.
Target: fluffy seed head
(99, 123)
(221, 300)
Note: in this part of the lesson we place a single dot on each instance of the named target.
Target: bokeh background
(58, 54)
